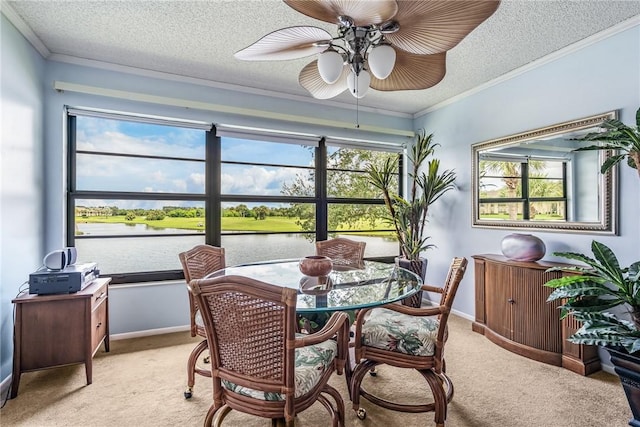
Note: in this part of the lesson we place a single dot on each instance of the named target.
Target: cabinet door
(53, 333)
(497, 296)
(536, 322)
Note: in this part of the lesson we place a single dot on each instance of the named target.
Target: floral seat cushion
(390, 330)
(311, 362)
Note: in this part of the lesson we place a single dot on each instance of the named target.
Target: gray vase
(523, 247)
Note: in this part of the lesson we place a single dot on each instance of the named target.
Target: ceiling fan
(387, 45)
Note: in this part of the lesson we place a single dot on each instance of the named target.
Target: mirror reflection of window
(522, 188)
(537, 179)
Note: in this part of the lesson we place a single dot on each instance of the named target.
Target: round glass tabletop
(351, 287)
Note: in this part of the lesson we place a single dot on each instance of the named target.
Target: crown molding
(207, 106)
(568, 50)
(24, 29)
(109, 66)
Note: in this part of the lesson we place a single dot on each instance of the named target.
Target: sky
(187, 175)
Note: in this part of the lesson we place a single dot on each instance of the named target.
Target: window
(353, 205)
(141, 190)
(523, 188)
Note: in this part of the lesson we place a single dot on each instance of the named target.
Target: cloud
(256, 180)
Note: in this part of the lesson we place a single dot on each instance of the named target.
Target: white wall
(598, 78)
(21, 175)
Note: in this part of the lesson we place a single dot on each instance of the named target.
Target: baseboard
(463, 315)
(148, 332)
(5, 385)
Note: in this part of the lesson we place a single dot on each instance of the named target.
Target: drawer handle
(98, 325)
(511, 301)
(100, 296)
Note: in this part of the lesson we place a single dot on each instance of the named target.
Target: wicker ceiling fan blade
(413, 72)
(287, 43)
(310, 80)
(362, 12)
(428, 27)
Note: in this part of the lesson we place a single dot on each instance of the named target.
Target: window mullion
(213, 203)
(322, 209)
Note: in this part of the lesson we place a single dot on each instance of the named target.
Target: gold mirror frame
(607, 209)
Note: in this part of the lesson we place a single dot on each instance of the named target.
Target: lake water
(140, 254)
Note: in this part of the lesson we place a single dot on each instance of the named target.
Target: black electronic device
(70, 279)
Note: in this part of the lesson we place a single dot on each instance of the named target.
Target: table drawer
(99, 296)
(98, 323)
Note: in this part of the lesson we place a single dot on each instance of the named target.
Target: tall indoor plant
(604, 285)
(408, 216)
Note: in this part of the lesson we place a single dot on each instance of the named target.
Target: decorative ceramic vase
(523, 247)
(315, 265)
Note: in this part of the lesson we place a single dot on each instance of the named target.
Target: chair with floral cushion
(408, 337)
(343, 253)
(259, 364)
(197, 262)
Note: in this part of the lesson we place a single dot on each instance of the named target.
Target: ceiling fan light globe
(358, 84)
(382, 59)
(330, 66)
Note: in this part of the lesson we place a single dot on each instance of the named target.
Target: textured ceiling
(198, 39)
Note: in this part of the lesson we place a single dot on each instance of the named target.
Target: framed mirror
(535, 180)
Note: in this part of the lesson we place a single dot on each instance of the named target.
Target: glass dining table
(350, 287)
(345, 288)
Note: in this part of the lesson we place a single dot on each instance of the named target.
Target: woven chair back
(248, 325)
(342, 251)
(201, 260)
(456, 272)
(454, 277)
(197, 263)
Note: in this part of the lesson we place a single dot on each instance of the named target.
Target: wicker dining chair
(197, 262)
(260, 365)
(342, 251)
(408, 337)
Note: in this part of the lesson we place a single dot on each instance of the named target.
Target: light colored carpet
(141, 381)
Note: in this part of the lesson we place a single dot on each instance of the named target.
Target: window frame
(212, 197)
(525, 198)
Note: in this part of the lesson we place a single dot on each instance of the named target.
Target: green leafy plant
(599, 287)
(409, 216)
(617, 136)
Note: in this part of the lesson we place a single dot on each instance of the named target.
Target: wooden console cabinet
(512, 311)
(63, 329)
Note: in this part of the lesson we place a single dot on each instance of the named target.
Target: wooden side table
(62, 329)
(512, 311)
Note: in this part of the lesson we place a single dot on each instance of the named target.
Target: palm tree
(511, 173)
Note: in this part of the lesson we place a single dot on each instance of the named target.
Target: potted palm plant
(603, 286)
(408, 216)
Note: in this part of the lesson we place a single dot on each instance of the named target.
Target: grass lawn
(271, 223)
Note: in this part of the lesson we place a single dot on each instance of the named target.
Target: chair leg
(215, 416)
(339, 420)
(335, 418)
(439, 395)
(192, 368)
(356, 380)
